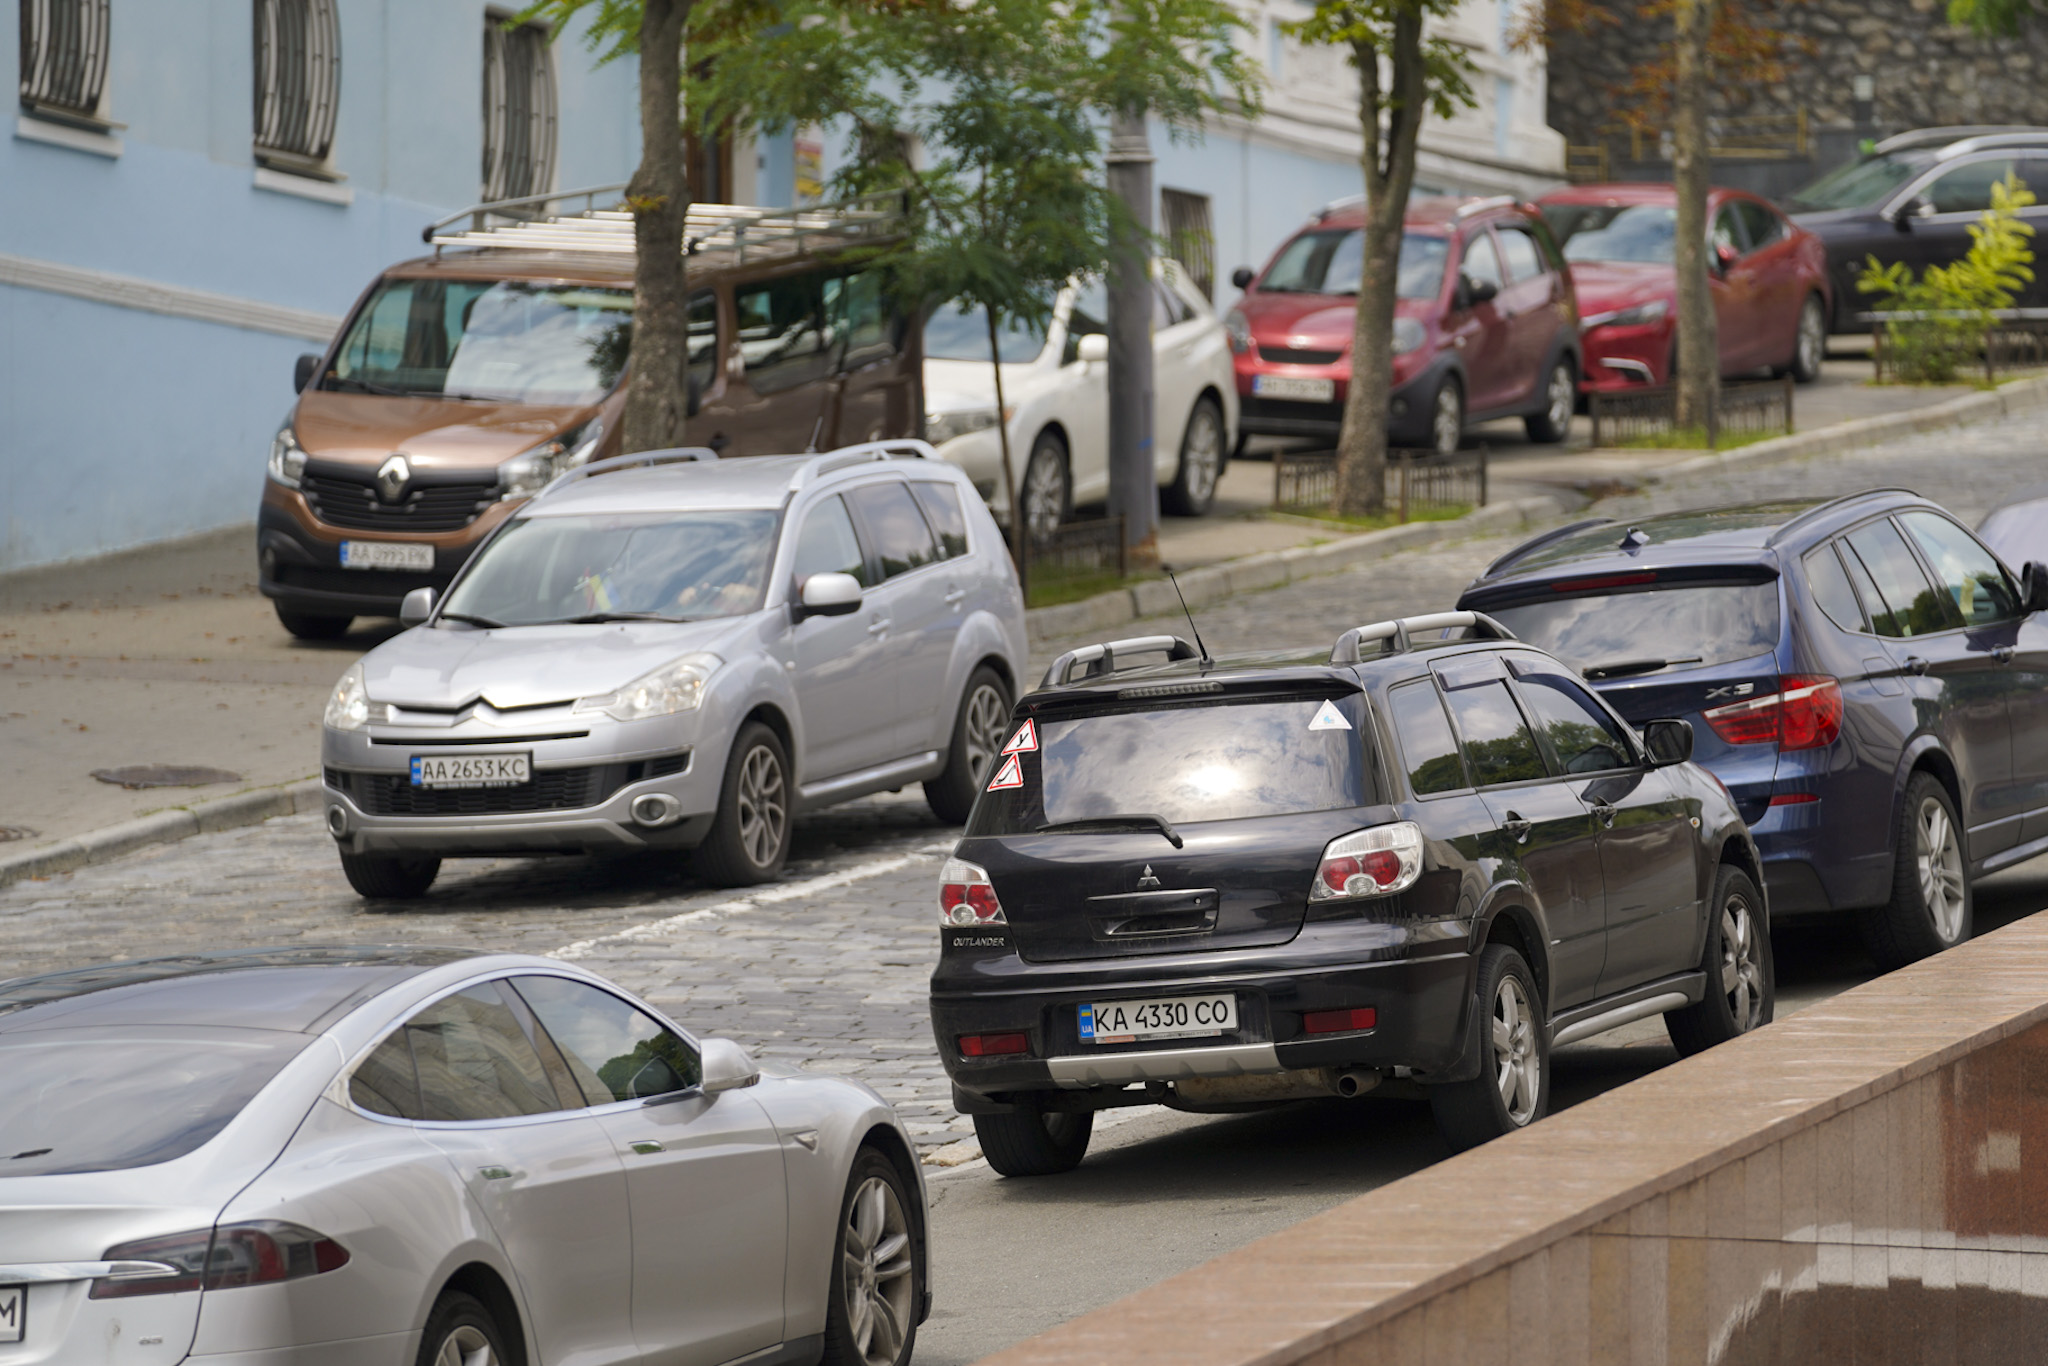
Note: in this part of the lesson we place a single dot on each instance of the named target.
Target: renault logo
(1146, 882)
(392, 477)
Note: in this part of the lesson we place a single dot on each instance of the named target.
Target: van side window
(863, 322)
(784, 332)
(896, 528)
(704, 352)
(941, 504)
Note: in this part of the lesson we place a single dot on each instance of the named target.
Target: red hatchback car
(1485, 326)
(1769, 280)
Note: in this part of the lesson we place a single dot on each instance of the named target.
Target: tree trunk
(1020, 530)
(1699, 350)
(1133, 476)
(1388, 162)
(657, 394)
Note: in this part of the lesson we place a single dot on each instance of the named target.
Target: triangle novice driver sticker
(1011, 774)
(1329, 718)
(1024, 741)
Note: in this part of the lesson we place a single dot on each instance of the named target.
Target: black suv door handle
(1605, 811)
(1518, 827)
(1916, 664)
(2002, 653)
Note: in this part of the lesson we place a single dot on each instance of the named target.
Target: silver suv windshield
(653, 566)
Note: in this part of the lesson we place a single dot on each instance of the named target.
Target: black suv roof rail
(1101, 659)
(1542, 539)
(1793, 523)
(1395, 634)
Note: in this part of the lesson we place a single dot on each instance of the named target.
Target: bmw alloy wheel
(988, 717)
(876, 1273)
(764, 809)
(1202, 459)
(466, 1346)
(1940, 862)
(1742, 970)
(1519, 1074)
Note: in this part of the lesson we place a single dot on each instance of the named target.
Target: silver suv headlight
(531, 471)
(287, 458)
(350, 707)
(939, 428)
(675, 686)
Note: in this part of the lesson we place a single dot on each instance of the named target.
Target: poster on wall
(810, 167)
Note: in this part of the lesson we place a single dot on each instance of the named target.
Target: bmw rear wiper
(473, 620)
(1623, 667)
(1143, 818)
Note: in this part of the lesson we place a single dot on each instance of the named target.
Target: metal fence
(2010, 343)
(1645, 414)
(1305, 482)
(1074, 549)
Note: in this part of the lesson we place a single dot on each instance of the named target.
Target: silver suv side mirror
(417, 607)
(727, 1067)
(828, 595)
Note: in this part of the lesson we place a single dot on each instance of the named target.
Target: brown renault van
(465, 381)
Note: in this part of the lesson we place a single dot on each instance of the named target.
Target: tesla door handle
(2002, 653)
(1916, 664)
(1605, 811)
(647, 1147)
(1518, 827)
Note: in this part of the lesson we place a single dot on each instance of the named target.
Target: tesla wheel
(978, 732)
(749, 838)
(1048, 495)
(1810, 347)
(461, 1332)
(1930, 909)
(1742, 983)
(1030, 1142)
(308, 626)
(1560, 395)
(1447, 418)
(877, 1294)
(1512, 1090)
(390, 877)
(1193, 489)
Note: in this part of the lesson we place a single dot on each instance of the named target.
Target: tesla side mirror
(1092, 348)
(302, 371)
(1669, 741)
(1242, 277)
(828, 595)
(726, 1065)
(417, 607)
(2034, 582)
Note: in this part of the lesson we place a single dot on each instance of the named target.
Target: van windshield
(1332, 262)
(502, 340)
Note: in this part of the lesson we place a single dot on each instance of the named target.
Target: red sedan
(1769, 279)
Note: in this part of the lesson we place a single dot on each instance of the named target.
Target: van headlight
(287, 457)
(676, 686)
(531, 471)
(350, 707)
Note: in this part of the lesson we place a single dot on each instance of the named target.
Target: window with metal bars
(1189, 237)
(519, 110)
(64, 58)
(298, 83)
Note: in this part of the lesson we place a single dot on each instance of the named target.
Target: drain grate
(10, 833)
(165, 775)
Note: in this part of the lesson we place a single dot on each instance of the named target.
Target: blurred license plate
(1289, 386)
(386, 555)
(13, 1312)
(471, 770)
(1178, 1017)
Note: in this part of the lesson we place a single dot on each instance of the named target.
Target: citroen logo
(1146, 882)
(392, 477)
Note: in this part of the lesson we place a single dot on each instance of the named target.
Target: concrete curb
(162, 827)
(1272, 569)
(2021, 396)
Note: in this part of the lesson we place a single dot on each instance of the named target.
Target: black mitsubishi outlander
(1411, 867)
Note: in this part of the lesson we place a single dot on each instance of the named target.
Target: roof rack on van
(901, 448)
(1541, 539)
(1792, 523)
(1394, 636)
(528, 225)
(1099, 661)
(678, 455)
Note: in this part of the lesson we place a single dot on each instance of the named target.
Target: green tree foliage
(1935, 324)
(1993, 18)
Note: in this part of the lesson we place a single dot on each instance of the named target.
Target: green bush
(1936, 324)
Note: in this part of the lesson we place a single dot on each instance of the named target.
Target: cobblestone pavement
(828, 969)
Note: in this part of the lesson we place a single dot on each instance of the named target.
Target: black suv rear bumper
(1422, 1003)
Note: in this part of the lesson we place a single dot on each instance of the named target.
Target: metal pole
(1133, 484)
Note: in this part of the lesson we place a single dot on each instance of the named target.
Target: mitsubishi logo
(392, 477)
(1146, 882)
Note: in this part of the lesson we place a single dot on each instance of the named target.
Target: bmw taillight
(260, 1253)
(1375, 862)
(966, 897)
(1805, 713)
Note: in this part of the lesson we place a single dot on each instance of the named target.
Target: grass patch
(1049, 588)
(1693, 439)
(1379, 521)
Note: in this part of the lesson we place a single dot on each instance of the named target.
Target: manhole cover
(15, 832)
(165, 775)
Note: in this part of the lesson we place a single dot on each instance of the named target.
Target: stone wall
(1925, 72)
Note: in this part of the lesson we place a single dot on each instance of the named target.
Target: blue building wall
(120, 426)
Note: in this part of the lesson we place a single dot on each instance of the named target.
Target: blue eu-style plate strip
(415, 770)
(1087, 1022)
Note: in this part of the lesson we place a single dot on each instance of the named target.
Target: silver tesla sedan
(414, 1155)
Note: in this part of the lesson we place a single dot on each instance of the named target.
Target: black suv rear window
(1207, 762)
(1615, 634)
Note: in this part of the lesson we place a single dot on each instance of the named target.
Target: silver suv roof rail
(1100, 661)
(1394, 637)
(678, 455)
(867, 452)
(1951, 136)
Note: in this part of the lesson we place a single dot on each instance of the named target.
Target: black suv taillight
(259, 1253)
(1378, 861)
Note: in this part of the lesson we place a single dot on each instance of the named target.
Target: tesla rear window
(1617, 634)
(79, 1101)
(1215, 762)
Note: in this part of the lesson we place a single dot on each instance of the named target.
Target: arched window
(519, 110)
(298, 82)
(64, 59)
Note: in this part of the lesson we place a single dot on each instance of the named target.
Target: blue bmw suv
(1869, 682)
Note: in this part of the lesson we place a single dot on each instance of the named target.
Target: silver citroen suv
(671, 651)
